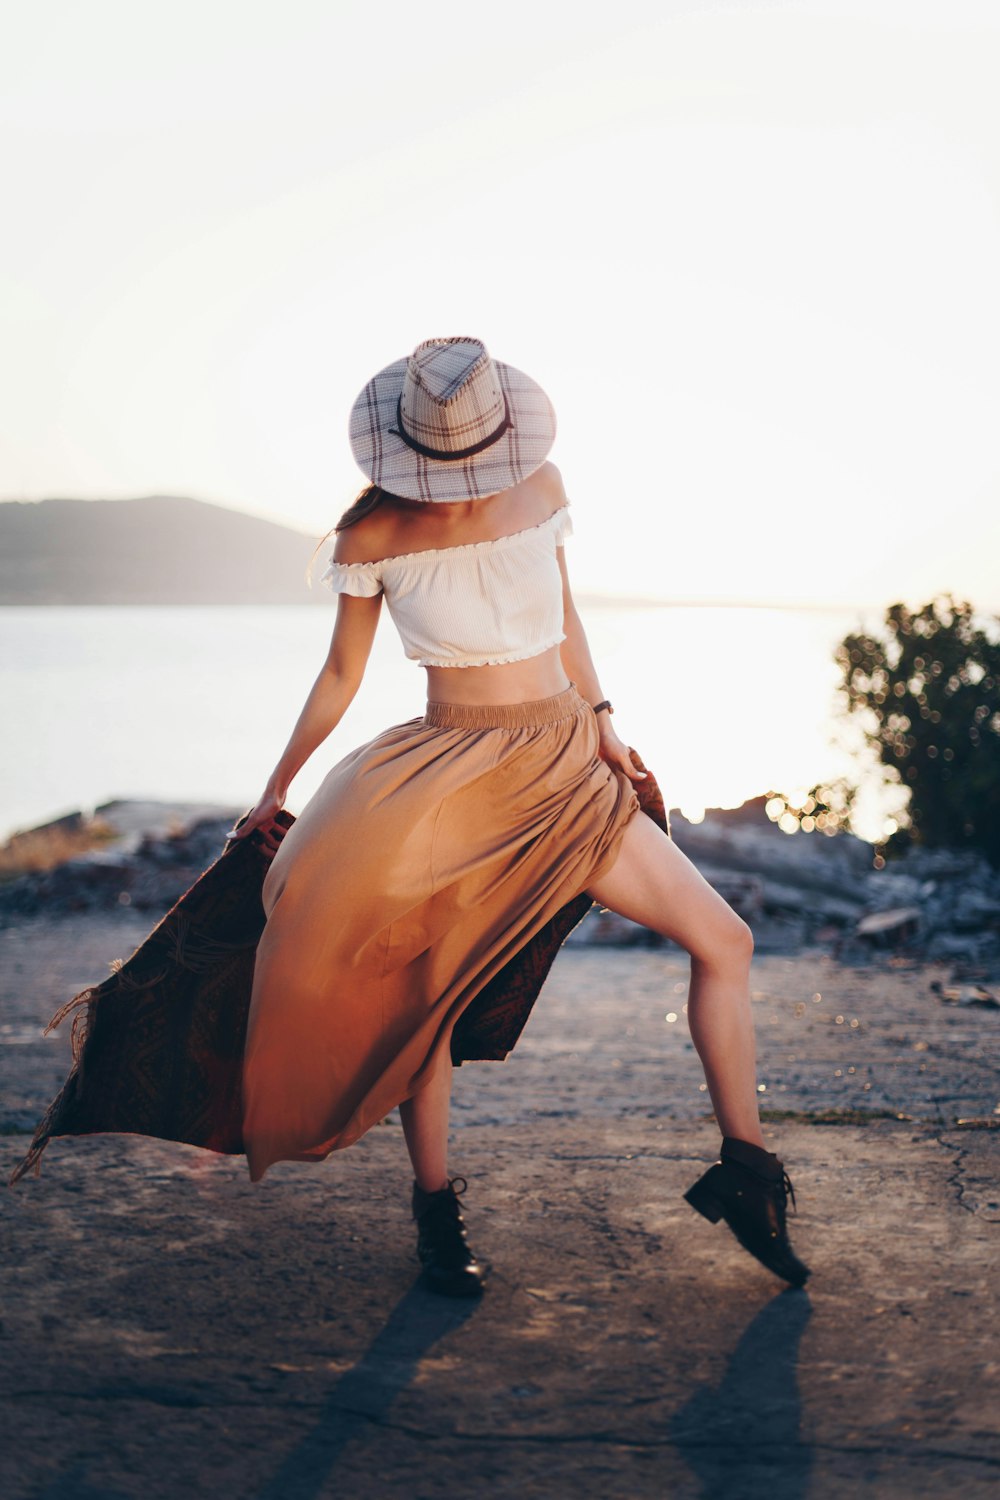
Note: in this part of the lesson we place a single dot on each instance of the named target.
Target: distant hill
(158, 550)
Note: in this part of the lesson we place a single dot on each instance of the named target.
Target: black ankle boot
(749, 1188)
(449, 1265)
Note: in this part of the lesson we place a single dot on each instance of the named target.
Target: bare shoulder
(551, 481)
(366, 541)
(551, 475)
(545, 488)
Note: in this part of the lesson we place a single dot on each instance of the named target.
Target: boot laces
(449, 1194)
(442, 1233)
(443, 1208)
(786, 1183)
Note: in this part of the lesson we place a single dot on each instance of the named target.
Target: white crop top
(479, 604)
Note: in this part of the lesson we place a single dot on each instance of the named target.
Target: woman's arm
(580, 669)
(329, 698)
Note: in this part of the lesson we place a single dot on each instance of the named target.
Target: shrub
(927, 694)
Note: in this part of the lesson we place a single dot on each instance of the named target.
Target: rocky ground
(170, 1330)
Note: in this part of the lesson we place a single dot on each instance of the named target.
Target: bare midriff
(540, 676)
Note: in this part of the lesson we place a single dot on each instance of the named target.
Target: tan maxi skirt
(424, 861)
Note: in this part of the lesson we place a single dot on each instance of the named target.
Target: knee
(730, 948)
(739, 941)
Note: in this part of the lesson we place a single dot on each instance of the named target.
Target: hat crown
(452, 399)
(442, 366)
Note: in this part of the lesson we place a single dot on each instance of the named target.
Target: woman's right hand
(260, 820)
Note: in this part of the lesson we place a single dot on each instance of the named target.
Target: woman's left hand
(615, 751)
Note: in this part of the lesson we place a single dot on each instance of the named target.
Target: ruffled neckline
(511, 536)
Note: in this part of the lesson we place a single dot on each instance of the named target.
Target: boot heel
(704, 1200)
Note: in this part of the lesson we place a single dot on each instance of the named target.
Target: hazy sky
(751, 250)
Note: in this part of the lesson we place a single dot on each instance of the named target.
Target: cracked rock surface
(170, 1330)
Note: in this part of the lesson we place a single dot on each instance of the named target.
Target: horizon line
(584, 596)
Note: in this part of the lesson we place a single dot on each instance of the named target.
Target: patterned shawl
(158, 1047)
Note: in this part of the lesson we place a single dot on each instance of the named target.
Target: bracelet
(604, 703)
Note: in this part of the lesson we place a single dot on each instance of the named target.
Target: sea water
(196, 703)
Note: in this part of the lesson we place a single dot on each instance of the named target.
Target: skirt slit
(423, 862)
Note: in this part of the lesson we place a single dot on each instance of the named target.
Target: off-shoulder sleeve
(362, 579)
(563, 524)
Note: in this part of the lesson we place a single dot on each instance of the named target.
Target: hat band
(441, 453)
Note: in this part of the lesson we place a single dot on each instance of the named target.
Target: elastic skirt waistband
(505, 715)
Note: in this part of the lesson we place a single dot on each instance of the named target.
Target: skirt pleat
(423, 862)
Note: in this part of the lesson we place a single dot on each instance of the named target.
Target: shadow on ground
(754, 1414)
(365, 1393)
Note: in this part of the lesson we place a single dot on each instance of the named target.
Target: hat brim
(390, 463)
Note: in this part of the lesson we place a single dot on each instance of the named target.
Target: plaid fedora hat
(449, 422)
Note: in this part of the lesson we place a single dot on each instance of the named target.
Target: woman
(430, 855)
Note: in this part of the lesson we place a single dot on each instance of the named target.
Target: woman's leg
(449, 1265)
(652, 882)
(425, 1127)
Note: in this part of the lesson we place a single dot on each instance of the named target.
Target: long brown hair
(362, 505)
(364, 502)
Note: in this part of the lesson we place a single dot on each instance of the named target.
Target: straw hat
(449, 422)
